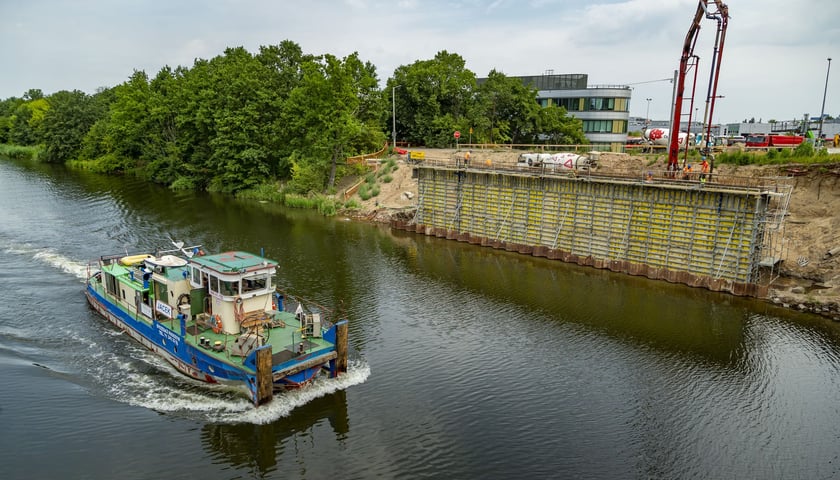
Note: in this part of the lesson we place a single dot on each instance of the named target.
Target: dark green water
(467, 363)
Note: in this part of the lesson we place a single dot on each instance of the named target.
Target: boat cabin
(233, 284)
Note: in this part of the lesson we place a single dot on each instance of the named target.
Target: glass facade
(587, 104)
(604, 126)
(604, 109)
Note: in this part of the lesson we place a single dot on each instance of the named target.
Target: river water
(467, 362)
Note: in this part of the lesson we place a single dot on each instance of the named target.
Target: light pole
(822, 111)
(647, 112)
(394, 116)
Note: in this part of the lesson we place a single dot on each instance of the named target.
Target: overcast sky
(774, 58)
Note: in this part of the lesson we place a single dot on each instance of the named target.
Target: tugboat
(218, 318)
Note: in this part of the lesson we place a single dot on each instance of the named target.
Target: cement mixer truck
(556, 161)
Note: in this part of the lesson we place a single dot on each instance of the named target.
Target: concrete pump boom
(722, 17)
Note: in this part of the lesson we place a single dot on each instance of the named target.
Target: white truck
(556, 161)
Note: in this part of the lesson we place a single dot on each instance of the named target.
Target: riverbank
(809, 272)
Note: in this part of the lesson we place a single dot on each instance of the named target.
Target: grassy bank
(324, 204)
(18, 152)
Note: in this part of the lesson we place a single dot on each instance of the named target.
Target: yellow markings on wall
(698, 231)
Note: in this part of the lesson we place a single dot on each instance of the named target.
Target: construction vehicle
(557, 161)
(773, 140)
(662, 136)
(689, 61)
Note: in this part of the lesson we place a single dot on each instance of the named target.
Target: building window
(604, 126)
(597, 126)
(598, 104)
(620, 104)
(619, 126)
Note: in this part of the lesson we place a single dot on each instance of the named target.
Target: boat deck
(284, 340)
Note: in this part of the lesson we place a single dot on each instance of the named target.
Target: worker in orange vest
(687, 171)
(704, 169)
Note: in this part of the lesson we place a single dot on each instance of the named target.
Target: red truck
(773, 140)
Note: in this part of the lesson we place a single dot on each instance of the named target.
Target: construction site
(722, 233)
(675, 224)
(729, 230)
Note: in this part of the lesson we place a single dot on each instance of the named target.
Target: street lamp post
(647, 112)
(394, 116)
(822, 111)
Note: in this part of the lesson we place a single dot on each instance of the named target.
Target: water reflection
(668, 317)
(259, 447)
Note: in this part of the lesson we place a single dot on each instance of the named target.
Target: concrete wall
(707, 235)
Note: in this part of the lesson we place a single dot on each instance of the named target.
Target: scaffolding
(723, 234)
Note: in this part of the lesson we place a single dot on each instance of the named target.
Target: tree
(560, 129)
(25, 122)
(66, 122)
(510, 108)
(433, 99)
(328, 115)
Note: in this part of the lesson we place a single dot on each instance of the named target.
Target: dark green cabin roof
(235, 261)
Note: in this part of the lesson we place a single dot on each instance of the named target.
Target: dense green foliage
(275, 125)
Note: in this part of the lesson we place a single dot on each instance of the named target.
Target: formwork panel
(663, 229)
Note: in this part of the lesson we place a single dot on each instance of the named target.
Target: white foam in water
(51, 258)
(228, 403)
(283, 404)
(63, 263)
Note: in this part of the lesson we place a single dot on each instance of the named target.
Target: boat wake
(51, 258)
(168, 391)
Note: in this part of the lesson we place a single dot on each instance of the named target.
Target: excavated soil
(809, 271)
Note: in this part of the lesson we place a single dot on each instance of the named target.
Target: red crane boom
(722, 17)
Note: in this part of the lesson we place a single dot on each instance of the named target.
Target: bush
(387, 179)
(365, 191)
(804, 149)
(294, 200)
(736, 158)
(183, 184)
(263, 192)
(326, 205)
(306, 178)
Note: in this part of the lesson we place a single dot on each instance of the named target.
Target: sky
(774, 63)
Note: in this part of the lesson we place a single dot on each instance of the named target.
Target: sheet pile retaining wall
(700, 235)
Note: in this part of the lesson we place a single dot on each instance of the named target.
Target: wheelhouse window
(229, 289)
(224, 287)
(251, 284)
(195, 277)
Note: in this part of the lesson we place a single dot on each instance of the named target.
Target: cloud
(773, 62)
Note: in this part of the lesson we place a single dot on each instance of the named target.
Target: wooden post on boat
(265, 380)
(341, 335)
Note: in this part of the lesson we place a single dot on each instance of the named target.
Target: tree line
(241, 120)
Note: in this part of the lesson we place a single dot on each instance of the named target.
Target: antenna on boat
(180, 246)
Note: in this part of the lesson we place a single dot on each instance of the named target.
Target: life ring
(217, 328)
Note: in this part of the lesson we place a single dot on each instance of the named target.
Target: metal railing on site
(694, 179)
